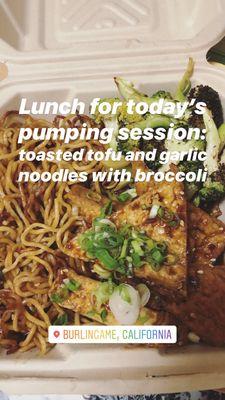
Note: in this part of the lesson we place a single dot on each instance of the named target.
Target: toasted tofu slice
(87, 202)
(202, 315)
(136, 214)
(170, 196)
(141, 187)
(206, 236)
(83, 302)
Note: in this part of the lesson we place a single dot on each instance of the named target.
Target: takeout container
(60, 49)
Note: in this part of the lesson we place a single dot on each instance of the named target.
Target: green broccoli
(212, 143)
(213, 190)
(127, 145)
(185, 84)
(219, 175)
(180, 146)
(100, 118)
(128, 91)
(115, 121)
(209, 96)
(121, 115)
(191, 188)
(210, 193)
(221, 131)
(153, 121)
(124, 118)
(222, 158)
(162, 94)
(150, 146)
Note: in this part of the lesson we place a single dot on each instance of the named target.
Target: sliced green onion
(72, 285)
(137, 247)
(101, 272)
(144, 293)
(154, 211)
(106, 210)
(124, 292)
(157, 256)
(61, 320)
(104, 315)
(174, 223)
(161, 212)
(123, 197)
(143, 318)
(171, 259)
(56, 298)
(127, 195)
(105, 258)
(136, 260)
(168, 216)
(103, 292)
(92, 314)
(150, 243)
(124, 249)
(94, 196)
(105, 221)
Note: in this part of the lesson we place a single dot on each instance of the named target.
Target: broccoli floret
(219, 175)
(128, 91)
(162, 94)
(222, 159)
(184, 145)
(193, 166)
(210, 193)
(212, 143)
(121, 115)
(115, 121)
(211, 98)
(191, 188)
(221, 131)
(185, 83)
(100, 118)
(110, 121)
(127, 145)
(213, 190)
(150, 146)
(124, 118)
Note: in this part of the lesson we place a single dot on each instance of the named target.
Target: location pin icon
(56, 334)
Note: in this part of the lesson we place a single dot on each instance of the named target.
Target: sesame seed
(193, 337)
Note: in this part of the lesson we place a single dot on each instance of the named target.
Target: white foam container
(60, 49)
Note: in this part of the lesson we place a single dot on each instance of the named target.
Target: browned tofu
(203, 312)
(83, 302)
(136, 214)
(171, 197)
(206, 237)
(86, 201)
(141, 187)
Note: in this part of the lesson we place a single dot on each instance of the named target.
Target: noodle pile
(36, 222)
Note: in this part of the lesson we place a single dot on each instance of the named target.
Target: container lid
(39, 36)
